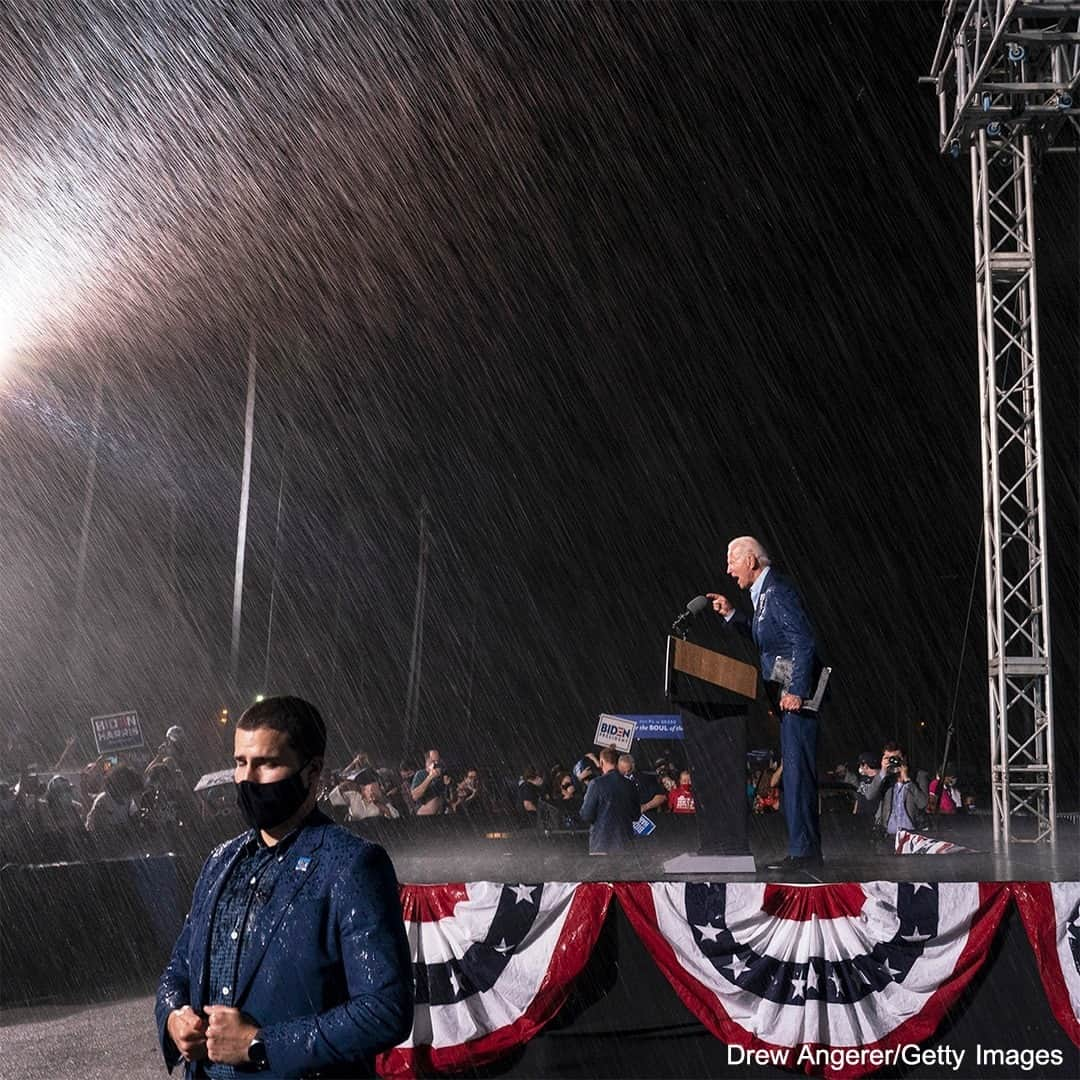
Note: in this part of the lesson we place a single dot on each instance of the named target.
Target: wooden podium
(714, 692)
(695, 673)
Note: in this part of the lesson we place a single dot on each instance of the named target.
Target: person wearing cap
(63, 813)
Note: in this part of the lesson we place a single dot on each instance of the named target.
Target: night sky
(605, 285)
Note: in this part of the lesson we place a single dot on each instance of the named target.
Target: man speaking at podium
(785, 640)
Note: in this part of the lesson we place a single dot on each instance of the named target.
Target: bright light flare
(42, 274)
(8, 335)
(21, 291)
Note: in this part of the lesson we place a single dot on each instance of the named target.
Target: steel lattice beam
(1007, 75)
(1011, 65)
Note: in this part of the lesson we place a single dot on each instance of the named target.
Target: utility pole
(89, 489)
(416, 656)
(265, 685)
(241, 529)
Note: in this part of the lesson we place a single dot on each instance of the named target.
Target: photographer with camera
(431, 788)
(899, 794)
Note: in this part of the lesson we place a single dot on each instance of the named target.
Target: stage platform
(614, 969)
(430, 850)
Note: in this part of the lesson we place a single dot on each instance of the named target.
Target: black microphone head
(697, 605)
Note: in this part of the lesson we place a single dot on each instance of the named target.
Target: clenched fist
(187, 1029)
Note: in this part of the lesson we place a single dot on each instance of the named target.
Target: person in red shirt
(945, 797)
(681, 799)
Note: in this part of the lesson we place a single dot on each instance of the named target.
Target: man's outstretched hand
(721, 604)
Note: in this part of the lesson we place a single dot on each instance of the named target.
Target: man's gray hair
(629, 758)
(752, 545)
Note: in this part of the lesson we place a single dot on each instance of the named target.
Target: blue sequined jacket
(326, 975)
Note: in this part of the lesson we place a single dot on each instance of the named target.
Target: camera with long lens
(895, 761)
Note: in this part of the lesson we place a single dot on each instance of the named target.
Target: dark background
(605, 285)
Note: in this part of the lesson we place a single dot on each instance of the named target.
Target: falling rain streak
(604, 284)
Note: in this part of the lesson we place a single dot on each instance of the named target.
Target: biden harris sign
(615, 731)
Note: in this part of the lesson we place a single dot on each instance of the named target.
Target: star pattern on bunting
(524, 893)
(737, 965)
(915, 936)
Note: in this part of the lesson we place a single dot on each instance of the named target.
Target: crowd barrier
(83, 930)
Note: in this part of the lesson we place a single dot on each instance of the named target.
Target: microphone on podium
(693, 609)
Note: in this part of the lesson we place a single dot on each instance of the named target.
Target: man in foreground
(293, 958)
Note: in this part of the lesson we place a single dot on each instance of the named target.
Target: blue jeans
(798, 752)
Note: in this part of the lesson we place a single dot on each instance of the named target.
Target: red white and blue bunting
(913, 843)
(826, 979)
(1051, 914)
(807, 972)
(493, 964)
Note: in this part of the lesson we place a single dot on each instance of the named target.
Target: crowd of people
(549, 798)
(96, 809)
(893, 794)
(61, 816)
(117, 799)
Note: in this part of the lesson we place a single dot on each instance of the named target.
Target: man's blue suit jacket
(326, 974)
(781, 629)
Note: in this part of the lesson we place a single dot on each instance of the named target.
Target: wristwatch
(257, 1053)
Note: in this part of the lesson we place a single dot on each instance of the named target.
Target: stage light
(1064, 101)
(993, 129)
(987, 102)
(223, 716)
(954, 148)
(1017, 52)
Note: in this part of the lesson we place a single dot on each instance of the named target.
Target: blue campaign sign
(655, 725)
(644, 826)
(118, 731)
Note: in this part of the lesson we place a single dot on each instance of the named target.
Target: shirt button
(225, 991)
(234, 935)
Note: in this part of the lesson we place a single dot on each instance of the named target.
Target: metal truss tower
(1007, 76)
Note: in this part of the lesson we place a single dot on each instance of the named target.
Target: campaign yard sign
(615, 731)
(118, 731)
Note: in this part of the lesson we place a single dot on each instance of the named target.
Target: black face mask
(265, 806)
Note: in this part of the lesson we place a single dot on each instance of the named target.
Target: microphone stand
(944, 762)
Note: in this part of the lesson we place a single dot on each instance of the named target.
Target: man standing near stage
(610, 809)
(293, 959)
(785, 641)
